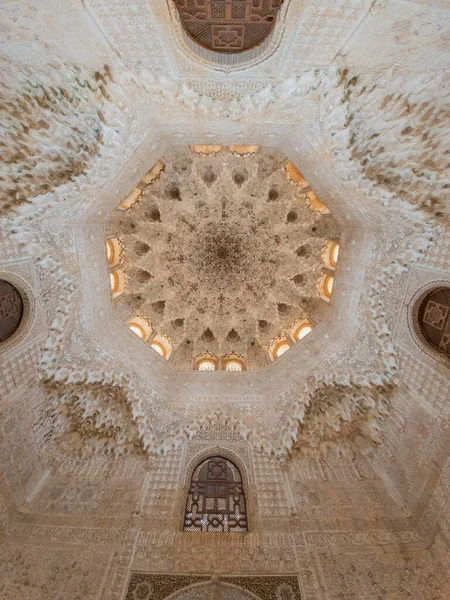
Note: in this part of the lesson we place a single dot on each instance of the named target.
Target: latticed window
(434, 319)
(228, 26)
(216, 500)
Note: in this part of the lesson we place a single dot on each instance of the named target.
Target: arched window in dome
(216, 498)
(278, 347)
(154, 173)
(161, 345)
(140, 326)
(131, 199)
(109, 251)
(334, 254)
(159, 348)
(294, 175)
(316, 203)
(301, 330)
(206, 150)
(206, 362)
(206, 365)
(114, 281)
(326, 286)
(330, 254)
(434, 319)
(281, 349)
(243, 150)
(234, 365)
(329, 283)
(117, 282)
(114, 250)
(137, 330)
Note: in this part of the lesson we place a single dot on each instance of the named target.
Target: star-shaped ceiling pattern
(222, 254)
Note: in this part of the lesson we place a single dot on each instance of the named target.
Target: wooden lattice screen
(228, 26)
(434, 319)
(216, 500)
(11, 310)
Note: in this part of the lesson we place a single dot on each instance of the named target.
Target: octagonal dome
(221, 256)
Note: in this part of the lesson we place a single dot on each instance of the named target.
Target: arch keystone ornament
(228, 26)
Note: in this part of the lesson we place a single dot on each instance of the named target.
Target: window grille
(216, 500)
(434, 319)
(228, 26)
(11, 309)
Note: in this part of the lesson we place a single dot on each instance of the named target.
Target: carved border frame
(22, 276)
(229, 63)
(422, 280)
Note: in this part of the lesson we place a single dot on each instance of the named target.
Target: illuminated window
(117, 281)
(334, 254)
(159, 348)
(206, 365)
(281, 349)
(216, 498)
(293, 174)
(114, 281)
(140, 326)
(114, 250)
(206, 149)
(233, 365)
(316, 203)
(162, 345)
(325, 287)
(242, 150)
(154, 173)
(302, 332)
(137, 329)
(109, 251)
(329, 282)
(130, 199)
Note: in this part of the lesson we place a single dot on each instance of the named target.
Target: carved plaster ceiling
(362, 115)
(222, 254)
